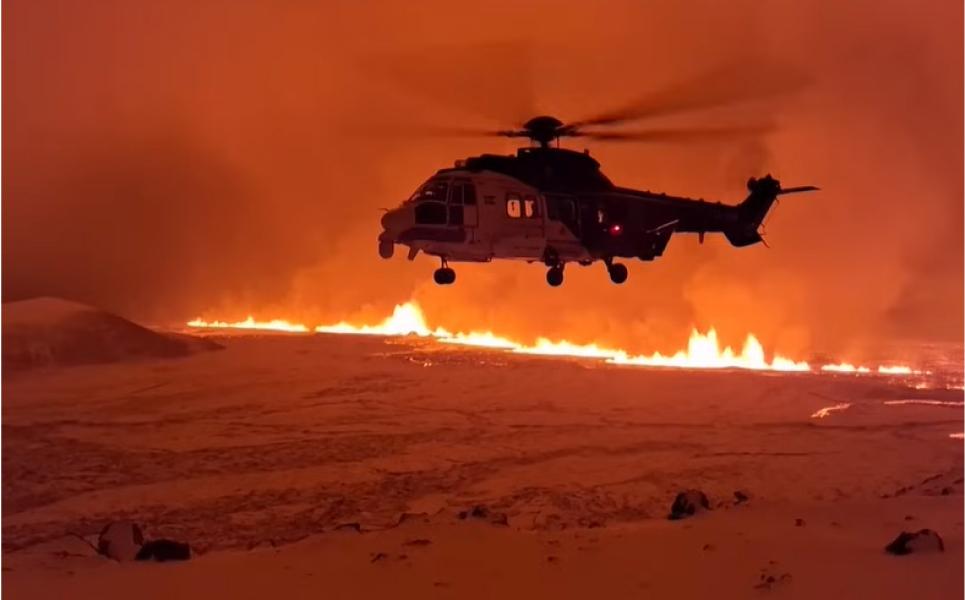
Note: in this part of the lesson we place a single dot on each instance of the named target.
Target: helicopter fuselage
(554, 206)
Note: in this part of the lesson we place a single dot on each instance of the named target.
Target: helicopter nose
(394, 221)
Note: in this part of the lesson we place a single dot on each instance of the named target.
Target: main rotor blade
(393, 129)
(677, 135)
(721, 86)
(465, 132)
(457, 132)
(493, 80)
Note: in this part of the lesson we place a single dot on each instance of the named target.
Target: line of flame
(250, 323)
(883, 370)
(703, 349)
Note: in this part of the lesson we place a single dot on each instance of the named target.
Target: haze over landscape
(220, 159)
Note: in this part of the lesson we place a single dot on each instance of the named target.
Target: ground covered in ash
(297, 443)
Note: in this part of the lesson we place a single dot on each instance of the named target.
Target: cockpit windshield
(434, 189)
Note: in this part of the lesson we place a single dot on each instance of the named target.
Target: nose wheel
(444, 275)
(554, 276)
(617, 271)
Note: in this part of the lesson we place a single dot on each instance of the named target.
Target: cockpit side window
(434, 189)
(455, 193)
(468, 194)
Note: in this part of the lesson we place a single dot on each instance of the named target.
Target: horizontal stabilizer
(800, 188)
(742, 237)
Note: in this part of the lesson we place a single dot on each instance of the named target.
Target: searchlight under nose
(394, 222)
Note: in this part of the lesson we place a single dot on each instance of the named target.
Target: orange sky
(180, 158)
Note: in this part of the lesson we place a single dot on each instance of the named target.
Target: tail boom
(751, 212)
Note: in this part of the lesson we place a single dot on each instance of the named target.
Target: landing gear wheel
(618, 272)
(554, 276)
(444, 276)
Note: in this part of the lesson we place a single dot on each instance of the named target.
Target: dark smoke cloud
(177, 158)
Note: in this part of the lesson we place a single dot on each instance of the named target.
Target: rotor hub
(543, 129)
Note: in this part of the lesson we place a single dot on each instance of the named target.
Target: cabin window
(514, 208)
(567, 210)
(430, 213)
(561, 208)
(530, 207)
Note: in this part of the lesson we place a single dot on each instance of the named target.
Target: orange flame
(250, 323)
(703, 349)
(845, 368)
(883, 369)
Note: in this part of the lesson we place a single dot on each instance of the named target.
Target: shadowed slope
(53, 332)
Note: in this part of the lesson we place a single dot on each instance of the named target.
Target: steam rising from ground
(165, 157)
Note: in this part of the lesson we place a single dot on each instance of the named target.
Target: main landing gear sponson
(444, 275)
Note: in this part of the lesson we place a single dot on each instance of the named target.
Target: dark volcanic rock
(408, 517)
(120, 540)
(483, 513)
(688, 503)
(498, 518)
(479, 511)
(923, 540)
(164, 550)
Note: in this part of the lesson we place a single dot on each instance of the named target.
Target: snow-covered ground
(258, 453)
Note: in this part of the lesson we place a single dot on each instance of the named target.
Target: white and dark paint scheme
(555, 206)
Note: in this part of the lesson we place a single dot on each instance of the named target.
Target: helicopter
(554, 205)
